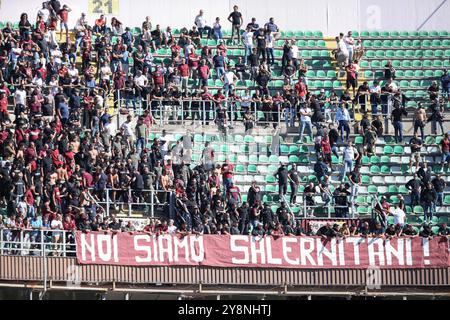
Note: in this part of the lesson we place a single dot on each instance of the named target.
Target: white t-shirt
(229, 77)
(349, 154)
(374, 89)
(20, 96)
(294, 51)
(126, 126)
(73, 73)
(343, 47)
(399, 216)
(172, 229)
(248, 38)
(110, 128)
(56, 224)
(269, 41)
(141, 81)
(349, 42)
(305, 118)
(105, 72)
(200, 21)
(44, 13)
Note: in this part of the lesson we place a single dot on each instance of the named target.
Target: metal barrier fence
(37, 242)
(130, 200)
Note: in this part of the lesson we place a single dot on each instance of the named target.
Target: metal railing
(37, 242)
(131, 200)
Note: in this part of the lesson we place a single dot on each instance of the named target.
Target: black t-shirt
(261, 41)
(235, 17)
(444, 231)
(253, 60)
(293, 174)
(416, 141)
(355, 176)
(397, 114)
(438, 184)
(282, 175)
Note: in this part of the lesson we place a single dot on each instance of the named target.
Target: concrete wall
(329, 16)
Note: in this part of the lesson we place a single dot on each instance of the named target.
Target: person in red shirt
(4, 116)
(301, 89)
(176, 50)
(63, 15)
(100, 25)
(227, 174)
(203, 72)
(445, 149)
(233, 193)
(351, 76)
(158, 77)
(218, 98)
(326, 151)
(193, 64)
(184, 74)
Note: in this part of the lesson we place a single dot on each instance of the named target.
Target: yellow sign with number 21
(103, 6)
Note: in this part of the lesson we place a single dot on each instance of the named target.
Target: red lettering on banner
(140, 249)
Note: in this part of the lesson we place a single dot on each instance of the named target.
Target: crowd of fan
(61, 151)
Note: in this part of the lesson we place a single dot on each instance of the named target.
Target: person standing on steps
(236, 22)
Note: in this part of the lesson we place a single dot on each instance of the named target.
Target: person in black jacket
(254, 194)
(428, 198)
(397, 114)
(320, 169)
(282, 176)
(439, 185)
(424, 173)
(414, 186)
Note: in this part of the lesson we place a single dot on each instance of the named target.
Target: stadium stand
(67, 165)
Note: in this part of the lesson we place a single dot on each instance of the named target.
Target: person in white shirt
(270, 39)
(341, 52)
(201, 24)
(399, 215)
(305, 121)
(349, 43)
(20, 96)
(128, 131)
(350, 154)
(73, 73)
(172, 229)
(247, 37)
(44, 13)
(294, 50)
(228, 79)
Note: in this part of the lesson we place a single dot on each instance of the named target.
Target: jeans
(270, 56)
(428, 211)
(207, 29)
(374, 109)
(302, 129)
(350, 54)
(348, 167)
(334, 150)
(415, 199)
(398, 128)
(343, 126)
(445, 157)
(236, 29)
(440, 198)
(289, 116)
(140, 144)
(218, 34)
(248, 51)
(220, 71)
